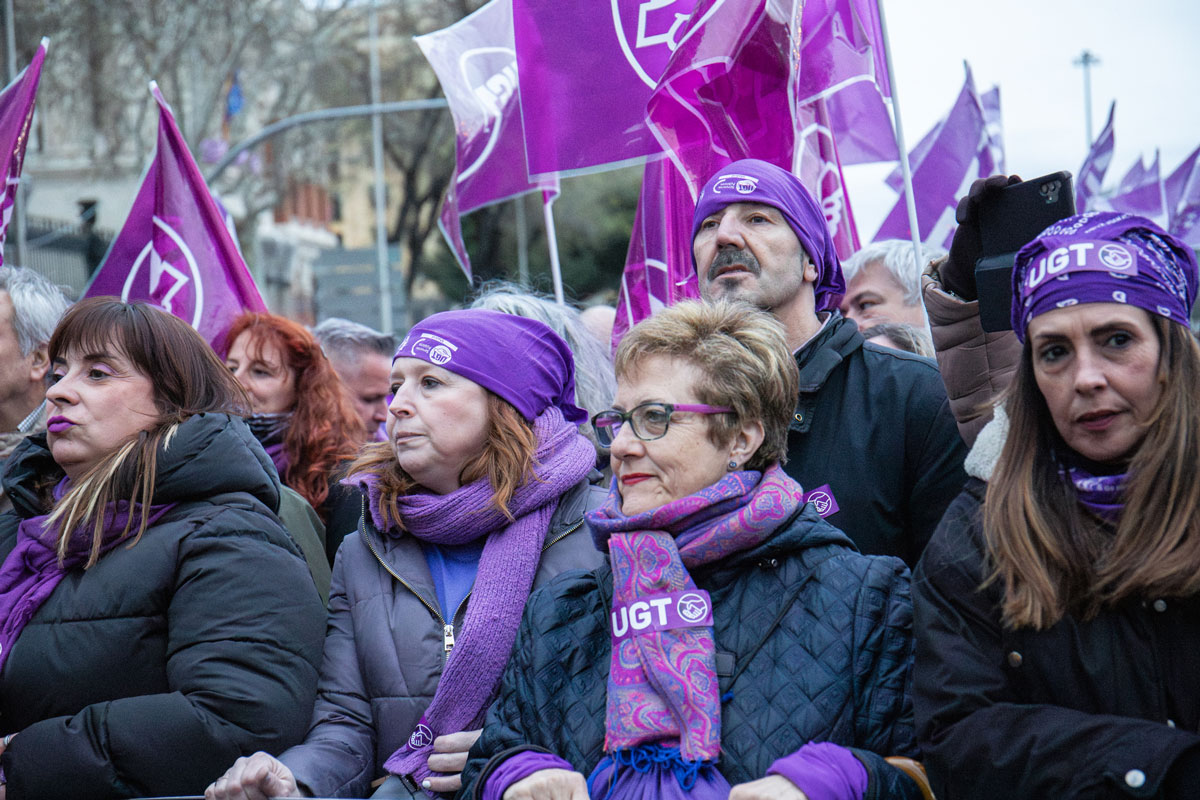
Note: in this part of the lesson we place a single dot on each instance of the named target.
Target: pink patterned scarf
(662, 686)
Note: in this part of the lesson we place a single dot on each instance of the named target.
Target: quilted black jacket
(814, 642)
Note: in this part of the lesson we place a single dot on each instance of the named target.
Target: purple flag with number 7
(175, 250)
(16, 114)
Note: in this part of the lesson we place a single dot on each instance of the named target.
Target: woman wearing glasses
(476, 497)
(732, 638)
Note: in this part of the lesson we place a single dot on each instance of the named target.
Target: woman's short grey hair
(896, 255)
(595, 384)
(38, 305)
(344, 339)
(743, 355)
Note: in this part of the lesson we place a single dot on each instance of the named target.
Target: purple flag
(658, 269)
(820, 170)
(1142, 192)
(958, 154)
(586, 71)
(1095, 166)
(990, 104)
(476, 64)
(1176, 184)
(1186, 205)
(175, 250)
(16, 115)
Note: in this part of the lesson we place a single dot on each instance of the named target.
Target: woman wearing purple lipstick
(1058, 605)
(139, 645)
(734, 644)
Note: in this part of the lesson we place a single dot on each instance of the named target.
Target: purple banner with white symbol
(820, 170)
(586, 72)
(1095, 166)
(175, 250)
(1142, 193)
(958, 154)
(823, 500)
(476, 63)
(16, 115)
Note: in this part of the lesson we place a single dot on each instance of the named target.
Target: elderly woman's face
(437, 422)
(1096, 365)
(650, 474)
(263, 373)
(97, 402)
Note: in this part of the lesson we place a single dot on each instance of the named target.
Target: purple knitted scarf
(32, 570)
(662, 686)
(506, 570)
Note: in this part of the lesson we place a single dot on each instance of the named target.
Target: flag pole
(552, 242)
(905, 169)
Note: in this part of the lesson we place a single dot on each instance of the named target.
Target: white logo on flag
(491, 75)
(166, 280)
(655, 28)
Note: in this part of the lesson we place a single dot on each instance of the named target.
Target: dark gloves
(958, 273)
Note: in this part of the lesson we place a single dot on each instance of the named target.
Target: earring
(733, 465)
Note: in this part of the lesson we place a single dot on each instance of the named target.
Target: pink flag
(476, 64)
(16, 115)
(1142, 192)
(175, 250)
(586, 71)
(958, 155)
(1095, 166)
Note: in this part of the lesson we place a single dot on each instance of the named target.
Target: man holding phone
(872, 440)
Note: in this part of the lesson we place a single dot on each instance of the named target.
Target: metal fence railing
(66, 253)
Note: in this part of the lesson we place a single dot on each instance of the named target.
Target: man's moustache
(727, 258)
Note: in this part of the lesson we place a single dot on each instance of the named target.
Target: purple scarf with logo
(32, 569)
(1102, 495)
(506, 571)
(662, 686)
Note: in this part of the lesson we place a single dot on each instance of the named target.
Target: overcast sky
(1149, 63)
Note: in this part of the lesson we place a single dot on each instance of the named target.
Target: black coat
(834, 669)
(874, 425)
(152, 671)
(1092, 709)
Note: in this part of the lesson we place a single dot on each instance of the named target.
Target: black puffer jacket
(150, 672)
(835, 668)
(1108, 708)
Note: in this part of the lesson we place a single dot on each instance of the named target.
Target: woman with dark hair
(476, 497)
(302, 413)
(733, 644)
(140, 647)
(1058, 604)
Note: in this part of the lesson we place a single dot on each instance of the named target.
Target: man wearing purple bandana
(872, 439)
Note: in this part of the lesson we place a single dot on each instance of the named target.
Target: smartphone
(1009, 220)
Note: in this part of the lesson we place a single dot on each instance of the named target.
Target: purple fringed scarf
(506, 570)
(662, 686)
(31, 571)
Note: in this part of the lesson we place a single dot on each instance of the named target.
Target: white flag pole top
(552, 242)
(45, 43)
(909, 201)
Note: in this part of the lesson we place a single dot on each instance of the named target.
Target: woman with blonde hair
(1057, 605)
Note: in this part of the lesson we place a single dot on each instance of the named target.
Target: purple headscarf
(1103, 257)
(753, 181)
(521, 360)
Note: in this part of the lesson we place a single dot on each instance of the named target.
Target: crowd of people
(817, 535)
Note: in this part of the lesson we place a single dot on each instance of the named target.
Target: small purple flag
(16, 115)
(958, 154)
(476, 64)
(1095, 166)
(990, 104)
(1186, 223)
(175, 250)
(1176, 184)
(586, 72)
(1142, 193)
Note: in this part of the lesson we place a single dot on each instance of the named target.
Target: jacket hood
(209, 454)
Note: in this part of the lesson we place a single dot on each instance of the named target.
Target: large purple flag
(175, 250)
(990, 104)
(959, 154)
(1095, 166)
(586, 72)
(16, 115)
(476, 64)
(1142, 192)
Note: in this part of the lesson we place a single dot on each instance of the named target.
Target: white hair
(38, 305)
(347, 340)
(896, 255)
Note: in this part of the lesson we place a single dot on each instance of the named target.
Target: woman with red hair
(302, 413)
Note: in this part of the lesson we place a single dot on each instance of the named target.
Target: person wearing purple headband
(1057, 605)
(476, 497)
(872, 435)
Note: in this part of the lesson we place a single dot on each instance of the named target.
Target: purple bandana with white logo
(1104, 257)
(754, 181)
(521, 360)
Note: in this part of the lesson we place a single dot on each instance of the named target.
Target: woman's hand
(254, 778)
(772, 787)
(449, 757)
(549, 784)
